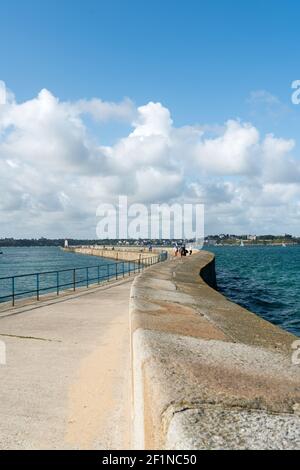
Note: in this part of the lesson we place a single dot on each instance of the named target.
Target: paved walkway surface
(66, 382)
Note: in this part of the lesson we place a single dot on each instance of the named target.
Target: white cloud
(54, 170)
(6, 96)
(152, 120)
(105, 111)
(279, 166)
(232, 153)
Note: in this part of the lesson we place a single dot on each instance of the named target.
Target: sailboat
(242, 243)
(283, 245)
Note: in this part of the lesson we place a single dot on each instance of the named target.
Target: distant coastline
(251, 240)
(255, 244)
(210, 240)
(42, 242)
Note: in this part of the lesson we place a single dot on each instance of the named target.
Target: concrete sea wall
(207, 373)
(118, 254)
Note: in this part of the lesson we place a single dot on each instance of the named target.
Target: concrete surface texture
(207, 374)
(66, 382)
(118, 254)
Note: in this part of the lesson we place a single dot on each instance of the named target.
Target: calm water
(15, 261)
(266, 280)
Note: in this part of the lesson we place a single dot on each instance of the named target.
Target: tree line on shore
(219, 239)
(75, 242)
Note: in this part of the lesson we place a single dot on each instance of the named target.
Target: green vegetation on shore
(222, 239)
(230, 239)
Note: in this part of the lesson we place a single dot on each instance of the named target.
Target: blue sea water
(18, 260)
(264, 279)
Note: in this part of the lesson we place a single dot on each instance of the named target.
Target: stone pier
(159, 360)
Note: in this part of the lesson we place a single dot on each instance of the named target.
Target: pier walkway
(66, 382)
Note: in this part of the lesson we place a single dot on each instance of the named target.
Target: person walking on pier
(183, 251)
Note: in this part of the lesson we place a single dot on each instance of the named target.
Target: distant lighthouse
(66, 243)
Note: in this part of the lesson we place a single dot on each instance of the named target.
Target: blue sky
(201, 59)
(206, 62)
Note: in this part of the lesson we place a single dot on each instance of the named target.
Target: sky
(162, 101)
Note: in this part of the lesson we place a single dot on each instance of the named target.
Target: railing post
(37, 287)
(57, 282)
(13, 291)
(139, 265)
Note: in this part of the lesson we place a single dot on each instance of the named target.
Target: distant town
(231, 239)
(210, 240)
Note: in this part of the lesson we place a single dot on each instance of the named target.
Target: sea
(264, 279)
(17, 261)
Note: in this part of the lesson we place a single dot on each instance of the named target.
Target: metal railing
(36, 284)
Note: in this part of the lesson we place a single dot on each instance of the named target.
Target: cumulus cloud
(231, 153)
(55, 171)
(104, 111)
(6, 96)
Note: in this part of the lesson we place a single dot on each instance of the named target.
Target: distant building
(66, 244)
(251, 237)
